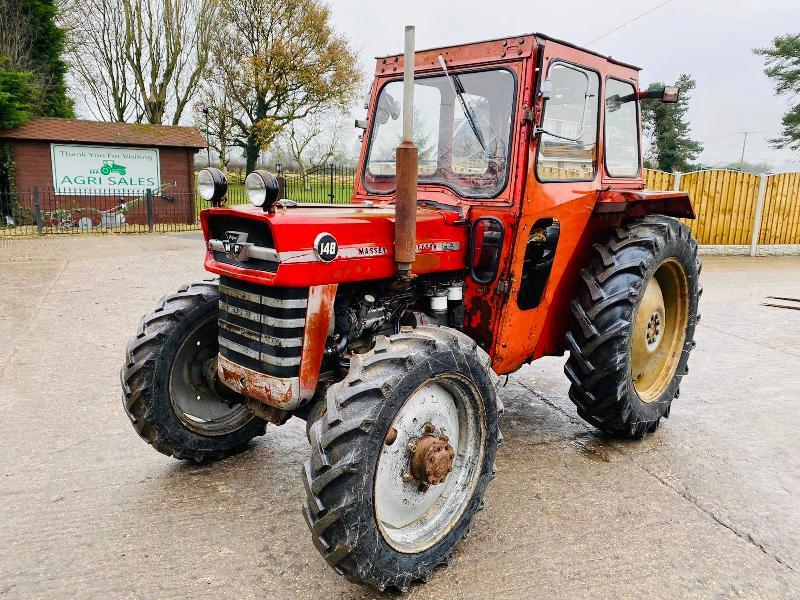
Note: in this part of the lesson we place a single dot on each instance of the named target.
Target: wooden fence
(738, 208)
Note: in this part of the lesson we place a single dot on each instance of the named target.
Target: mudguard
(637, 203)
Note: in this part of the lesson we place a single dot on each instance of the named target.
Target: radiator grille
(257, 232)
(261, 327)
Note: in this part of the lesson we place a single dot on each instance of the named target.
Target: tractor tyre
(635, 315)
(169, 386)
(401, 456)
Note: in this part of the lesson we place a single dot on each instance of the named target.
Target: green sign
(80, 169)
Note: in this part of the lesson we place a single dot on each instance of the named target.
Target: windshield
(450, 152)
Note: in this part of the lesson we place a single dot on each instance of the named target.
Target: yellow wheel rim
(659, 330)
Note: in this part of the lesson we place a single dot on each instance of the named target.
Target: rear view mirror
(388, 108)
(671, 94)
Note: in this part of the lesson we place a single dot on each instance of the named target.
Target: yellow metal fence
(730, 204)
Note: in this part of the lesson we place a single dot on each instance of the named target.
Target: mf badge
(234, 243)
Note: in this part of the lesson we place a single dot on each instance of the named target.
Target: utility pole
(744, 144)
(208, 137)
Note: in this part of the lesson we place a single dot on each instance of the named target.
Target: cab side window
(621, 130)
(568, 143)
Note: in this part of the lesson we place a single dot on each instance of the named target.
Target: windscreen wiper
(459, 91)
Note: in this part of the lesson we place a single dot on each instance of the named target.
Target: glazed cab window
(463, 139)
(568, 143)
(621, 130)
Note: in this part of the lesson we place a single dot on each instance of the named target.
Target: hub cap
(429, 464)
(659, 331)
(432, 459)
(198, 399)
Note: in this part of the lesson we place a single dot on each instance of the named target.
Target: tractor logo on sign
(109, 166)
(326, 247)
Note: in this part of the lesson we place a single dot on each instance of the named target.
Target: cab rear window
(621, 130)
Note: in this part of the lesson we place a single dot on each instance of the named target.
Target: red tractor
(501, 219)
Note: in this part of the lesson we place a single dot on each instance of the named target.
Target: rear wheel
(169, 381)
(635, 319)
(401, 456)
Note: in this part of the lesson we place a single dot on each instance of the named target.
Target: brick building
(69, 161)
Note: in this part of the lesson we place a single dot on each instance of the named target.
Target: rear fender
(638, 203)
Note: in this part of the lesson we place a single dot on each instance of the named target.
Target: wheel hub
(654, 329)
(432, 459)
(429, 463)
(659, 330)
(198, 400)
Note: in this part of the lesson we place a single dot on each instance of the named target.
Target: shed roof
(97, 132)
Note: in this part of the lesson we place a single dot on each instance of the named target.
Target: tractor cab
(530, 138)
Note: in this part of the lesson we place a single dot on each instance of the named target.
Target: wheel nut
(422, 487)
(391, 436)
(428, 427)
(408, 477)
(411, 448)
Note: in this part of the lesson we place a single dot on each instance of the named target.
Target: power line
(744, 145)
(626, 23)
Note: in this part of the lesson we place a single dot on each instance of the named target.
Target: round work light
(212, 185)
(262, 189)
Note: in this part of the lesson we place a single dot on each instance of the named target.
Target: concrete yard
(707, 507)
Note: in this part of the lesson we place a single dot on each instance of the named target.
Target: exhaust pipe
(405, 224)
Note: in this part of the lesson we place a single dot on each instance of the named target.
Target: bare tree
(166, 48)
(219, 123)
(95, 47)
(312, 142)
(15, 35)
(138, 60)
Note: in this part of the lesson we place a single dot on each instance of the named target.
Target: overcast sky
(710, 39)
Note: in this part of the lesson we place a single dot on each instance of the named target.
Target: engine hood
(321, 244)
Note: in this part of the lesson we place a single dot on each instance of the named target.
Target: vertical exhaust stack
(405, 224)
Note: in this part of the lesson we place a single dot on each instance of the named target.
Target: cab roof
(514, 41)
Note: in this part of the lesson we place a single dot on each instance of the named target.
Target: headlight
(212, 185)
(262, 189)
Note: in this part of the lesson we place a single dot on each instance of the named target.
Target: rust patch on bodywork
(479, 321)
(279, 392)
(319, 316)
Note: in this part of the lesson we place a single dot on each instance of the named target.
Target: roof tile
(98, 132)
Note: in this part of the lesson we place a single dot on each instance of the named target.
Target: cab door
(561, 185)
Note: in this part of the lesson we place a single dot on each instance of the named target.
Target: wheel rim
(412, 513)
(201, 403)
(659, 330)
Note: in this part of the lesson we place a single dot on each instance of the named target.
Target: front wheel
(401, 456)
(635, 317)
(169, 383)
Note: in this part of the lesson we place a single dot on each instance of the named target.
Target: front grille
(261, 327)
(257, 232)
